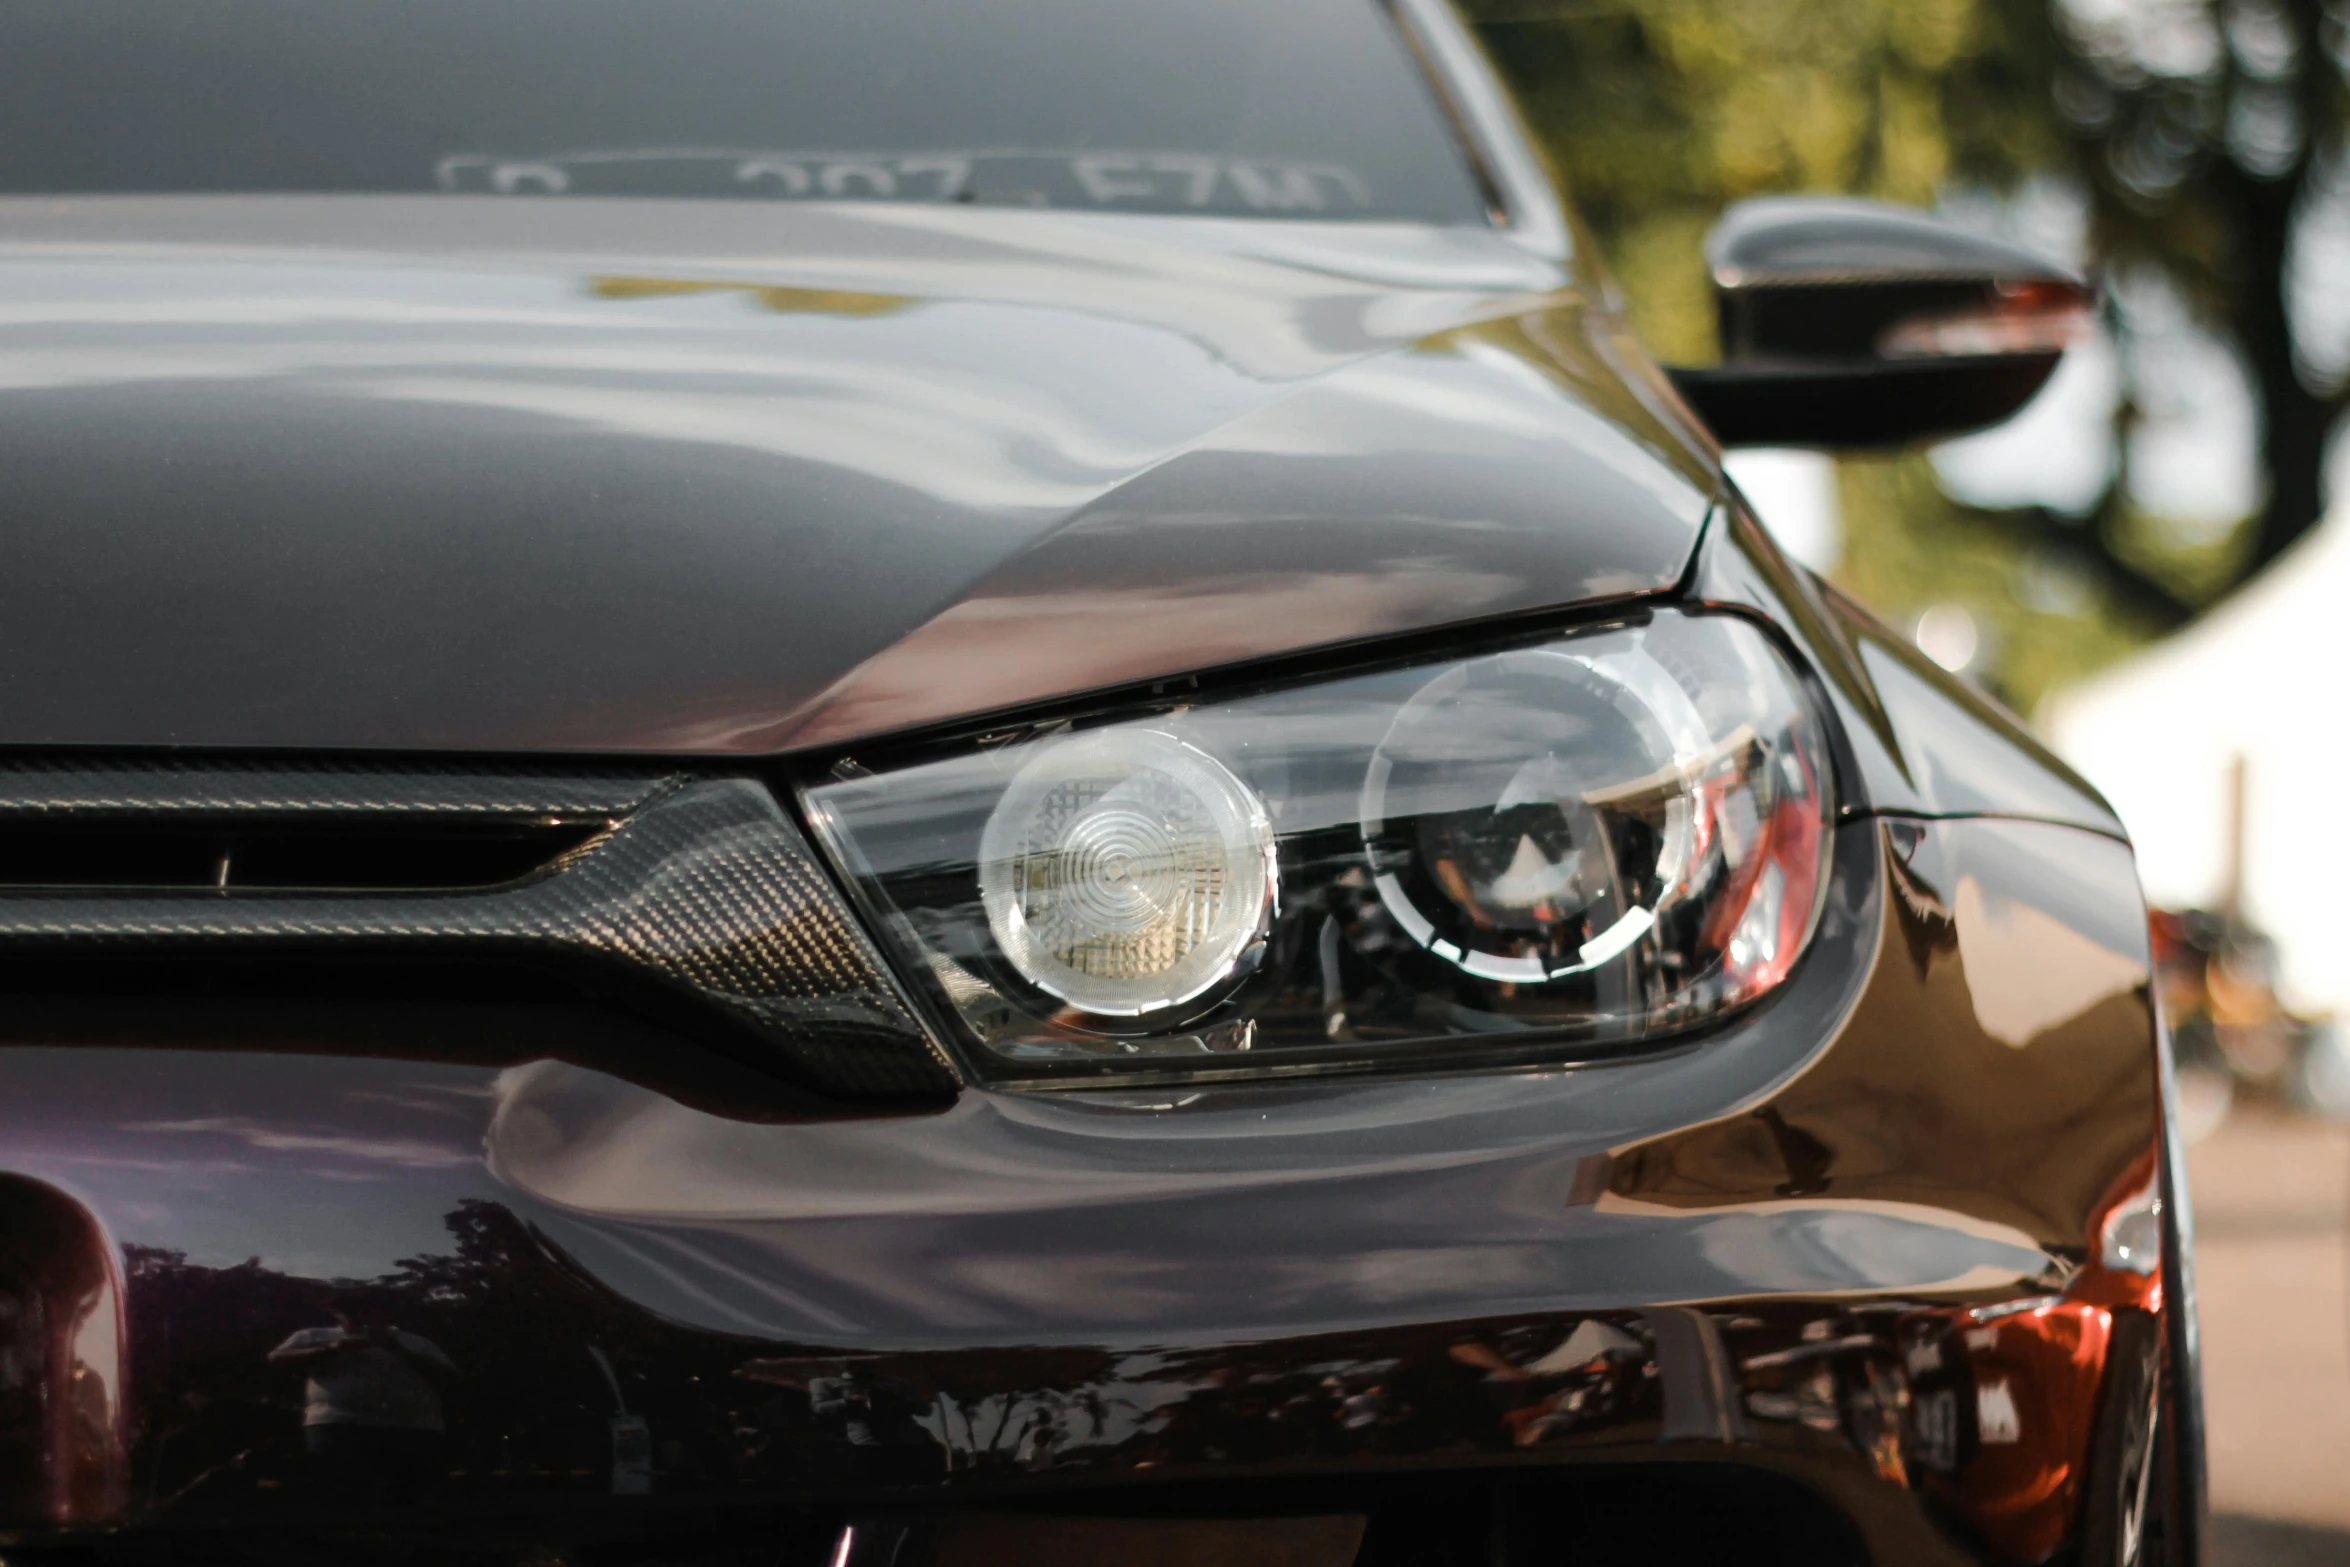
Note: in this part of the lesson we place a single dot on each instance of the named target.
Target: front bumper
(1844, 1259)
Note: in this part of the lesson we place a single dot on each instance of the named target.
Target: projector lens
(1126, 872)
(1526, 816)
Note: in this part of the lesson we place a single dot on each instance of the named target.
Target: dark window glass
(1296, 108)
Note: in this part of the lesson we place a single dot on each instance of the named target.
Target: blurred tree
(2205, 137)
(2211, 138)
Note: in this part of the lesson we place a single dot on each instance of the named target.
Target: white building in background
(2266, 677)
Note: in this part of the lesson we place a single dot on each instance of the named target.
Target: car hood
(503, 475)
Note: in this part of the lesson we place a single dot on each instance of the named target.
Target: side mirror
(1853, 323)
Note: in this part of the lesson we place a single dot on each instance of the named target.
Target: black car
(893, 782)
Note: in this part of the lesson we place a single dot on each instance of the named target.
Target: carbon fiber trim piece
(705, 885)
(96, 789)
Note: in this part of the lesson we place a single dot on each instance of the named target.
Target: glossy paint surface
(63, 1425)
(1854, 1239)
(1812, 239)
(1918, 740)
(433, 474)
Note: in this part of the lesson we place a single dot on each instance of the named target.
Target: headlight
(1589, 840)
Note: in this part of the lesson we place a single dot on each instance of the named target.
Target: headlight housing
(1590, 839)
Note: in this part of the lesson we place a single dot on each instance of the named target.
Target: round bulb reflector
(1125, 871)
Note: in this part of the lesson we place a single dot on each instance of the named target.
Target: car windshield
(1283, 108)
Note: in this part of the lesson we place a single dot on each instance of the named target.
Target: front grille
(701, 886)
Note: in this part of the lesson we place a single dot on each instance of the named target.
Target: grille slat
(54, 789)
(279, 855)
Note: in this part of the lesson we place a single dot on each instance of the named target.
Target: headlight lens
(1595, 839)
(1125, 872)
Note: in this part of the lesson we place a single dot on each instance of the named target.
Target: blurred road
(2272, 1218)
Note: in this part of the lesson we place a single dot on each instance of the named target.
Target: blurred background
(2146, 564)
